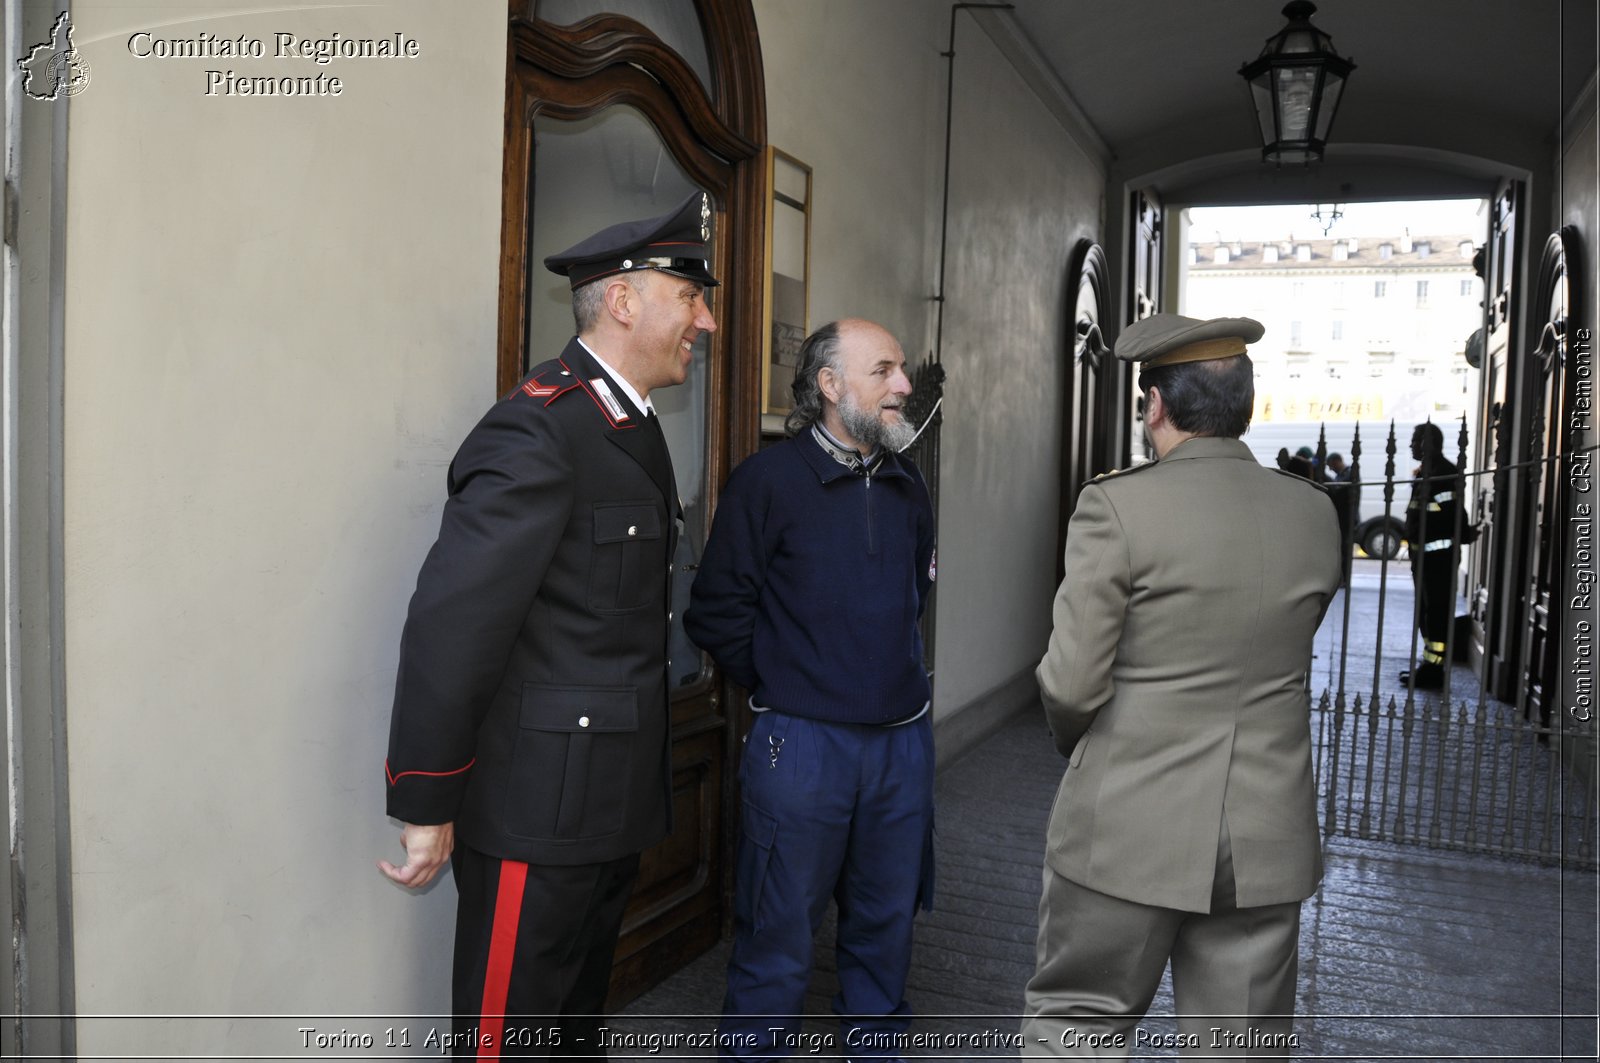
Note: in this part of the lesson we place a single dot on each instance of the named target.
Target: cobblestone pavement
(1407, 952)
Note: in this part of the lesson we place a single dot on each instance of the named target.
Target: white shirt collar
(643, 404)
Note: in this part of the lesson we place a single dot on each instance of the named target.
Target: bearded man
(816, 572)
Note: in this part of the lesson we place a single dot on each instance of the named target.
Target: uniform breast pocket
(629, 567)
(570, 771)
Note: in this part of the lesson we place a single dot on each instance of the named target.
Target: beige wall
(856, 91)
(280, 321)
(1022, 195)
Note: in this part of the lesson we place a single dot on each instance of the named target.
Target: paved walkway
(1406, 952)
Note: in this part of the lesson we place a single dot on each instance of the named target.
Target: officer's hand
(427, 852)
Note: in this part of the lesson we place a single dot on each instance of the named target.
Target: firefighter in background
(1433, 529)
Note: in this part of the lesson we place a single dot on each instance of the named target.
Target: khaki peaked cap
(1172, 339)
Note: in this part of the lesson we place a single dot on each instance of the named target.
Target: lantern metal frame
(1296, 85)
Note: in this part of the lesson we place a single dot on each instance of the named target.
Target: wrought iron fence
(1478, 780)
(1396, 763)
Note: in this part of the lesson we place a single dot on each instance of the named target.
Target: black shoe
(1427, 677)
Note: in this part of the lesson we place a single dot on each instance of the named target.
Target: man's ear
(829, 384)
(1155, 409)
(622, 302)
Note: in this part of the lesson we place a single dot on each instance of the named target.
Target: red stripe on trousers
(502, 946)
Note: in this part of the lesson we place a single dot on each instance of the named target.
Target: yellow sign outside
(1301, 408)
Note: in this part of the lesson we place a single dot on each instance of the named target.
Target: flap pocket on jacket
(580, 710)
(622, 522)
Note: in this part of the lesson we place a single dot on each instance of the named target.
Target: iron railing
(1401, 765)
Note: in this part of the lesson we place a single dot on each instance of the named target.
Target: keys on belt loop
(774, 745)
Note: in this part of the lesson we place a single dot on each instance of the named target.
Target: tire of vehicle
(1381, 540)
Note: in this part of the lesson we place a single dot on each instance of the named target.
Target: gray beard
(870, 431)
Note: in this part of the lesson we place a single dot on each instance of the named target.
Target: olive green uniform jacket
(1176, 679)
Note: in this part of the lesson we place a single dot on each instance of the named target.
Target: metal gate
(1411, 766)
(1477, 780)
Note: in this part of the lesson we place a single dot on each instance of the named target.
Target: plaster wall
(280, 322)
(1022, 195)
(856, 92)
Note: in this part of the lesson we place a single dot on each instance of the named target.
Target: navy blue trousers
(830, 811)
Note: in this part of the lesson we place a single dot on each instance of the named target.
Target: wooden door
(1540, 685)
(606, 122)
(1496, 571)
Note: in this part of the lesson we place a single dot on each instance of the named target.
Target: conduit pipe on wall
(944, 214)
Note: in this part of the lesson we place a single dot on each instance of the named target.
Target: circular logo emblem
(67, 74)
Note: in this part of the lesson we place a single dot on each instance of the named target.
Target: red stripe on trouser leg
(502, 946)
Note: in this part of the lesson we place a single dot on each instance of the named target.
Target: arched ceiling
(1446, 93)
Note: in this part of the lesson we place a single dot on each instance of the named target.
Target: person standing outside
(1175, 681)
(529, 742)
(819, 564)
(1433, 530)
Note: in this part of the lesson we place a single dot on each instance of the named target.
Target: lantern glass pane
(1332, 86)
(1296, 91)
(1261, 95)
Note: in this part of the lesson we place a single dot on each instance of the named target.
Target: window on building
(1423, 248)
(1338, 330)
(1341, 252)
(1466, 249)
(1385, 250)
(1466, 287)
(1295, 335)
(1297, 290)
(1422, 293)
(1380, 289)
(1302, 252)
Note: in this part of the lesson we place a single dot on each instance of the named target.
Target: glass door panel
(588, 174)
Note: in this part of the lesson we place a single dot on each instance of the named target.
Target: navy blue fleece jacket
(812, 583)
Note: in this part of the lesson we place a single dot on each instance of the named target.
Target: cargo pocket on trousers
(755, 858)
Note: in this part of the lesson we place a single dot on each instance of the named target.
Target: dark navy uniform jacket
(531, 704)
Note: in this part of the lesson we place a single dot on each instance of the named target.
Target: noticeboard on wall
(788, 263)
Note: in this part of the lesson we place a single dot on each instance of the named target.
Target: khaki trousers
(1099, 964)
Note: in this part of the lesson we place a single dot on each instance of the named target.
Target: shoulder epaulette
(1129, 471)
(546, 383)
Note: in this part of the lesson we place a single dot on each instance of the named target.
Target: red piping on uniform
(502, 946)
(393, 778)
(587, 390)
(558, 394)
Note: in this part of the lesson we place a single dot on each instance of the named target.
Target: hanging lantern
(1295, 86)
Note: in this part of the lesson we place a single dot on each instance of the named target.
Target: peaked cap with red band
(1172, 339)
(675, 242)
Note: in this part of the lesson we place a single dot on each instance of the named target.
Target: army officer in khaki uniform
(1175, 682)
